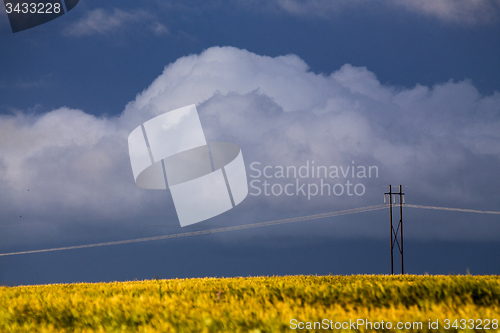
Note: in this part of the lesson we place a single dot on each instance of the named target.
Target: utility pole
(399, 230)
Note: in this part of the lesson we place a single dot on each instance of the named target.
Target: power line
(246, 226)
(208, 231)
(454, 209)
(394, 234)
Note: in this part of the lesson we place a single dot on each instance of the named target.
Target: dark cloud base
(201, 258)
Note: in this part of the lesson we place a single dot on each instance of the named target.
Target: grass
(254, 304)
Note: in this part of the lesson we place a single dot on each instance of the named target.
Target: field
(258, 304)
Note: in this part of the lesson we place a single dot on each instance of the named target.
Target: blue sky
(410, 86)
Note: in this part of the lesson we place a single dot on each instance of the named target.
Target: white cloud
(442, 141)
(435, 139)
(61, 157)
(314, 7)
(103, 22)
(159, 29)
(461, 11)
(44, 81)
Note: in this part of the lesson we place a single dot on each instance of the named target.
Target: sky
(409, 88)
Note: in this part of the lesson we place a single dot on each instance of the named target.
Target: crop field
(258, 304)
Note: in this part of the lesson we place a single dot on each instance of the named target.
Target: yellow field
(257, 304)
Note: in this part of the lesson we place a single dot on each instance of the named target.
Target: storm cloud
(67, 169)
